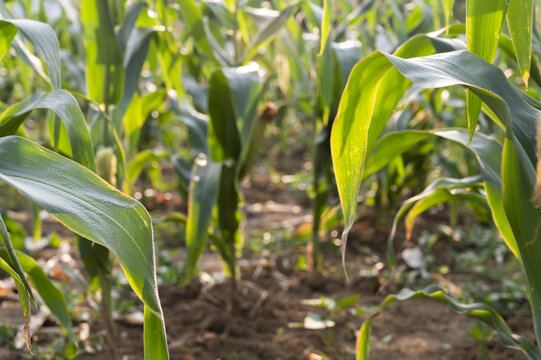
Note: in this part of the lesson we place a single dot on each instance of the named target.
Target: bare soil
(265, 324)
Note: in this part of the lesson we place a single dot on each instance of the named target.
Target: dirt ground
(267, 322)
(263, 328)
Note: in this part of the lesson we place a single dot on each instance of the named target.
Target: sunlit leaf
(90, 207)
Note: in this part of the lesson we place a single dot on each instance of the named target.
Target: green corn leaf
(490, 84)
(23, 299)
(520, 20)
(266, 33)
(394, 85)
(91, 208)
(193, 17)
(518, 181)
(64, 105)
(482, 312)
(136, 53)
(203, 194)
(233, 98)
(441, 189)
(52, 297)
(154, 336)
(44, 40)
(229, 217)
(197, 124)
(484, 20)
(138, 163)
(435, 197)
(136, 115)
(485, 149)
(218, 52)
(506, 45)
(448, 11)
(125, 31)
(223, 134)
(328, 6)
(104, 68)
(7, 34)
(11, 256)
(363, 341)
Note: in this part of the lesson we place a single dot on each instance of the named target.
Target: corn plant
(73, 193)
(234, 134)
(225, 142)
(507, 163)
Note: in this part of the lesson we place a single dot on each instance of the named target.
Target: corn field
(270, 179)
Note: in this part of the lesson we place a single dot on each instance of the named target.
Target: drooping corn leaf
(484, 20)
(490, 84)
(203, 193)
(52, 297)
(11, 257)
(24, 299)
(43, 39)
(486, 150)
(482, 312)
(266, 33)
(90, 207)
(520, 20)
(64, 105)
(518, 181)
(394, 85)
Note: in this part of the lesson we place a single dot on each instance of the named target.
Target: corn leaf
(484, 20)
(44, 40)
(490, 84)
(130, 19)
(363, 341)
(65, 106)
(23, 299)
(448, 11)
(223, 134)
(233, 98)
(91, 208)
(197, 124)
(487, 152)
(266, 33)
(193, 17)
(520, 20)
(11, 257)
(52, 297)
(104, 68)
(7, 34)
(482, 312)
(203, 194)
(137, 48)
(328, 6)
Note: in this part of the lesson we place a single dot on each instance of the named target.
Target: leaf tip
(525, 78)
